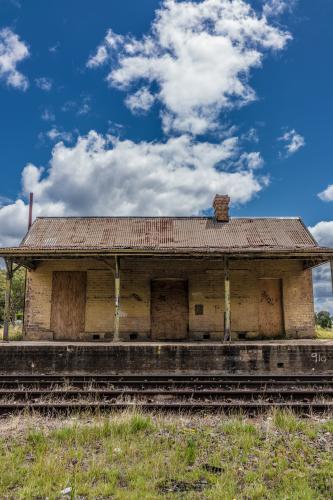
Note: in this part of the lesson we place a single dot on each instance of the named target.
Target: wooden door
(169, 309)
(68, 304)
(270, 308)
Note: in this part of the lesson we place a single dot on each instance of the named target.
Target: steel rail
(169, 406)
(168, 377)
(165, 392)
(250, 393)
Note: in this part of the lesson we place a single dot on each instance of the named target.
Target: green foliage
(323, 319)
(17, 296)
(323, 333)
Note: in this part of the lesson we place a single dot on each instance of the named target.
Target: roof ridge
(202, 217)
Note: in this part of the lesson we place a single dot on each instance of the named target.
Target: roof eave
(19, 252)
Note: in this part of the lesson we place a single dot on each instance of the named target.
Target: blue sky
(246, 110)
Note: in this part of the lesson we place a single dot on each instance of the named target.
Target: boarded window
(270, 307)
(198, 309)
(169, 309)
(68, 304)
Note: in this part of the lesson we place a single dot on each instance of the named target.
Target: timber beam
(311, 263)
(117, 300)
(227, 309)
(8, 291)
(10, 271)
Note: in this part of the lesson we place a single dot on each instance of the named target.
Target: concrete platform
(169, 358)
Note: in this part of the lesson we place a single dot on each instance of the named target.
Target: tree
(323, 319)
(17, 295)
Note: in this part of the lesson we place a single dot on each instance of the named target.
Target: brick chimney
(221, 207)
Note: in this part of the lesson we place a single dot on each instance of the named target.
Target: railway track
(252, 393)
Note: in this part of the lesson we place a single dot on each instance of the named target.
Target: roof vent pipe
(221, 207)
(31, 202)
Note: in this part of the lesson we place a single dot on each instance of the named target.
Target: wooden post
(227, 316)
(117, 300)
(9, 277)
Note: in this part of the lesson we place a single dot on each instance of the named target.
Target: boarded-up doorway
(169, 309)
(68, 304)
(270, 308)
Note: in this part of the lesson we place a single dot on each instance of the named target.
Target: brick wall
(205, 280)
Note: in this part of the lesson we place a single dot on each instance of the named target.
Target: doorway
(271, 322)
(68, 304)
(169, 310)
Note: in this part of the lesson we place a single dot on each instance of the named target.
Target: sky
(152, 107)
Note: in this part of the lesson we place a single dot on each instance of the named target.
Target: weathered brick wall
(205, 279)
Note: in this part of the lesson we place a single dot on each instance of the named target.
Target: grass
(15, 332)
(137, 456)
(323, 333)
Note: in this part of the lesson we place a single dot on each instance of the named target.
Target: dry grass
(140, 456)
(15, 332)
(323, 333)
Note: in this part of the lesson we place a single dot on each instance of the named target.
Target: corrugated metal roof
(158, 233)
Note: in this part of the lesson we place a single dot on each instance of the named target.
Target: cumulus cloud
(323, 294)
(59, 135)
(44, 83)
(253, 160)
(195, 61)
(47, 115)
(293, 141)
(81, 107)
(84, 106)
(111, 42)
(323, 233)
(322, 284)
(12, 52)
(102, 175)
(277, 7)
(140, 101)
(327, 194)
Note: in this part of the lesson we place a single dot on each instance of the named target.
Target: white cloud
(142, 100)
(55, 135)
(323, 233)
(4, 200)
(103, 175)
(81, 107)
(54, 48)
(84, 106)
(322, 284)
(251, 135)
(44, 83)
(68, 106)
(327, 194)
(111, 42)
(47, 115)
(293, 141)
(278, 7)
(12, 52)
(199, 54)
(252, 160)
(13, 222)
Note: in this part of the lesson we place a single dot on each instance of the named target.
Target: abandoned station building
(168, 278)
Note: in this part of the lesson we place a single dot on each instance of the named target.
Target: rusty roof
(166, 233)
